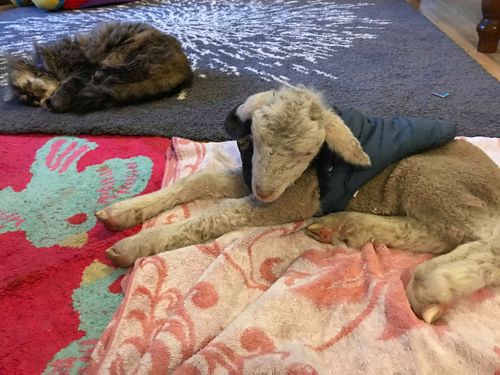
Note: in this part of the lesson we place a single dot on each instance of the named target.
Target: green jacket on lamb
(385, 139)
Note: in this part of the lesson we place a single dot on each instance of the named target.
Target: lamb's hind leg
(201, 185)
(443, 279)
(356, 229)
(461, 271)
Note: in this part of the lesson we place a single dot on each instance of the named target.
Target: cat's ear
(235, 126)
(37, 54)
(81, 39)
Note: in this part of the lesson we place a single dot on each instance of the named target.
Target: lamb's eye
(303, 154)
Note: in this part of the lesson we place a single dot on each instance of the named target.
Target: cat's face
(29, 86)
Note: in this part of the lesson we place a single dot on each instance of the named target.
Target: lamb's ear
(341, 140)
(235, 127)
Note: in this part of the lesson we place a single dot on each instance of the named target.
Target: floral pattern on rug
(57, 289)
(34, 209)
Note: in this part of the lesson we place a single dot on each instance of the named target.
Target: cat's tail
(93, 97)
(76, 94)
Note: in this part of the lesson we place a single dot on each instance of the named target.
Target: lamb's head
(287, 128)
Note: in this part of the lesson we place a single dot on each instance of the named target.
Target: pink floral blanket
(270, 300)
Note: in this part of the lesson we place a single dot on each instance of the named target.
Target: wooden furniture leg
(489, 27)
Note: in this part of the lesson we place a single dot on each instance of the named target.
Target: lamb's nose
(261, 193)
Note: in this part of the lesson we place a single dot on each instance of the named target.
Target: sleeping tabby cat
(116, 63)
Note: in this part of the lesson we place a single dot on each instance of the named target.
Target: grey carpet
(381, 57)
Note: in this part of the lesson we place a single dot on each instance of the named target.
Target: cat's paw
(107, 74)
(58, 102)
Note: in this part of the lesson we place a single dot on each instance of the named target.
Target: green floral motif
(59, 202)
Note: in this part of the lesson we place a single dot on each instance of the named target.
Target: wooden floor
(458, 20)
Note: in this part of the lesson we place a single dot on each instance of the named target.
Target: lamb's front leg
(200, 185)
(220, 219)
(443, 279)
(299, 202)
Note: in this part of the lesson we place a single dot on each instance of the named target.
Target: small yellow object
(49, 4)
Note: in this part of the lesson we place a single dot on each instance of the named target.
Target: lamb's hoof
(433, 313)
(118, 255)
(107, 219)
(320, 233)
(422, 298)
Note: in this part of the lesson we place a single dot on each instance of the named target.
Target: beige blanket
(270, 300)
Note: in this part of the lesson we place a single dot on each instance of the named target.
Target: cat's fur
(116, 63)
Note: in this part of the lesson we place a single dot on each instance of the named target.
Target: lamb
(444, 201)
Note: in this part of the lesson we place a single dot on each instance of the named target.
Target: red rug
(57, 290)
